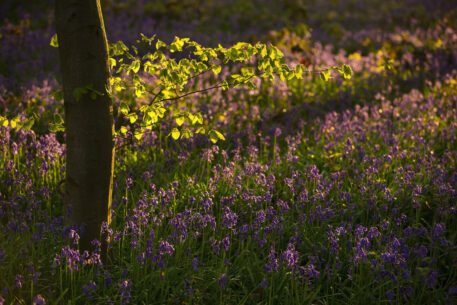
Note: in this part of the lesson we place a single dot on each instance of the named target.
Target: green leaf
(132, 117)
(176, 45)
(202, 67)
(299, 71)
(146, 39)
(138, 135)
(180, 120)
(57, 95)
(55, 126)
(225, 85)
(13, 123)
(124, 108)
(200, 130)
(3, 121)
(247, 71)
(160, 44)
(264, 51)
(216, 69)
(325, 75)
(160, 111)
(215, 135)
(347, 71)
(112, 63)
(135, 66)
(139, 90)
(118, 48)
(250, 85)
(58, 119)
(118, 87)
(195, 118)
(175, 133)
(186, 134)
(27, 125)
(54, 41)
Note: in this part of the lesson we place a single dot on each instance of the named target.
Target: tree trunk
(83, 51)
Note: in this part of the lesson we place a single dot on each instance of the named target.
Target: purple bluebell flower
(166, 248)
(188, 288)
(290, 256)
(264, 283)
(206, 204)
(222, 281)
(431, 280)
(225, 243)
(124, 291)
(452, 290)
(195, 263)
(19, 280)
(108, 280)
(129, 183)
(390, 295)
(272, 265)
(39, 300)
(373, 233)
(89, 288)
(260, 217)
(229, 218)
(308, 272)
(74, 235)
(438, 231)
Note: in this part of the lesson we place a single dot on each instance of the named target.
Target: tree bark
(83, 51)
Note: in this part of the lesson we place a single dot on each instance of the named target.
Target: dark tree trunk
(89, 127)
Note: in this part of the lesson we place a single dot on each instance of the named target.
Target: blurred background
(26, 27)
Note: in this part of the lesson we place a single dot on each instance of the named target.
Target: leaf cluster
(157, 72)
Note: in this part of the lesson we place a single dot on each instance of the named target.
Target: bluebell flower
(39, 300)
(222, 281)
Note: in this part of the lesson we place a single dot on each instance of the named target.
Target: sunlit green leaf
(27, 125)
(138, 135)
(264, 51)
(58, 119)
(175, 133)
(225, 85)
(3, 121)
(201, 130)
(186, 134)
(56, 125)
(160, 44)
(54, 41)
(132, 117)
(124, 108)
(216, 69)
(325, 75)
(250, 85)
(347, 71)
(180, 120)
(112, 63)
(215, 135)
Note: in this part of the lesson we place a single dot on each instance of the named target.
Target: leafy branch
(136, 73)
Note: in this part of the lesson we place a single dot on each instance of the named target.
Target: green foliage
(158, 75)
(16, 123)
(58, 124)
(54, 42)
(172, 78)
